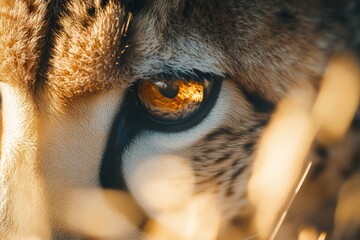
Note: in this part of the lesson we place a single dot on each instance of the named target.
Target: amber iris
(172, 100)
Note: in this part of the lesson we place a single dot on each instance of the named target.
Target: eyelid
(194, 75)
(152, 123)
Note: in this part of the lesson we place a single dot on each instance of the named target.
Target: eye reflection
(169, 89)
(172, 100)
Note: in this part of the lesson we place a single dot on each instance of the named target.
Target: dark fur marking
(252, 130)
(262, 123)
(208, 150)
(219, 173)
(104, 3)
(213, 177)
(322, 152)
(30, 6)
(91, 11)
(249, 147)
(215, 134)
(224, 157)
(238, 172)
(55, 9)
(258, 126)
(85, 23)
(235, 163)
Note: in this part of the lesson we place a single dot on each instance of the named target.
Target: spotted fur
(65, 69)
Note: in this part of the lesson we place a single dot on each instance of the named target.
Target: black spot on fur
(30, 6)
(104, 3)
(249, 147)
(91, 11)
(322, 152)
(85, 23)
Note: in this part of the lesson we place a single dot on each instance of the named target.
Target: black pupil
(168, 89)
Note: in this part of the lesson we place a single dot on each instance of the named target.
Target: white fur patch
(71, 149)
(157, 174)
(22, 203)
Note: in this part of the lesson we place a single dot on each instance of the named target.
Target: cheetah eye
(170, 101)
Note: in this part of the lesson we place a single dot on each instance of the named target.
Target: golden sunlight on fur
(92, 147)
(338, 99)
(4, 2)
(290, 135)
(309, 233)
(293, 128)
(346, 214)
(103, 220)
